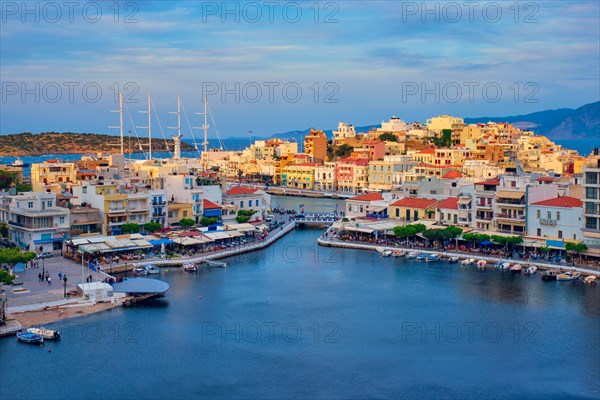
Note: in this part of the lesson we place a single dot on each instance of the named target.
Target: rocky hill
(28, 144)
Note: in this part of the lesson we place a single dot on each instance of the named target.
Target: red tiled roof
(563, 201)
(494, 181)
(367, 197)
(356, 161)
(454, 174)
(449, 203)
(240, 190)
(428, 150)
(208, 205)
(546, 179)
(415, 202)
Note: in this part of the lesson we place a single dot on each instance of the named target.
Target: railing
(481, 217)
(550, 222)
(115, 210)
(510, 202)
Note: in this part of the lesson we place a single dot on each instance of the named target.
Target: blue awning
(42, 241)
(160, 241)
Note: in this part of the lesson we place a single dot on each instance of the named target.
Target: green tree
(152, 226)
(419, 227)
(6, 277)
(207, 221)
(186, 223)
(453, 231)
(388, 137)
(12, 256)
(130, 228)
(343, 151)
(576, 248)
(405, 232)
(242, 219)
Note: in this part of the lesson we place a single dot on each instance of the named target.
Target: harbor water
(297, 320)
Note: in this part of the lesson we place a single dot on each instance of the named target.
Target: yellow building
(178, 211)
(51, 172)
(315, 145)
(413, 209)
(381, 175)
(300, 176)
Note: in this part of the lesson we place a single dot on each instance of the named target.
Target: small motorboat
(568, 276)
(516, 268)
(47, 334)
(481, 264)
(467, 261)
(506, 265)
(151, 269)
(432, 258)
(530, 270)
(421, 257)
(139, 271)
(453, 260)
(27, 337)
(222, 264)
(383, 252)
(550, 275)
(590, 280)
(412, 254)
(190, 267)
(398, 254)
(19, 163)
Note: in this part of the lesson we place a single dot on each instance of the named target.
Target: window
(539, 231)
(397, 213)
(185, 214)
(61, 220)
(256, 203)
(49, 203)
(558, 215)
(591, 193)
(242, 204)
(84, 189)
(30, 204)
(549, 214)
(560, 235)
(539, 214)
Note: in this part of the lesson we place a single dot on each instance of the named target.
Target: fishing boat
(27, 337)
(383, 252)
(590, 280)
(412, 254)
(421, 257)
(432, 258)
(481, 264)
(139, 271)
(506, 265)
(222, 264)
(19, 163)
(47, 334)
(550, 275)
(398, 254)
(190, 267)
(568, 276)
(530, 270)
(151, 269)
(453, 260)
(467, 261)
(516, 268)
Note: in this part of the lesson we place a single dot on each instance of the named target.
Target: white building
(345, 131)
(591, 187)
(36, 223)
(325, 177)
(249, 199)
(556, 218)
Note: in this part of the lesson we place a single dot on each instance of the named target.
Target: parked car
(45, 254)
(270, 218)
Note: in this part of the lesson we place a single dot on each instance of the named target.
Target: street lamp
(65, 285)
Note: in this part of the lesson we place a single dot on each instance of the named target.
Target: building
(325, 177)
(212, 210)
(442, 122)
(315, 145)
(344, 134)
(413, 209)
(36, 223)
(85, 220)
(299, 176)
(360, 206)
(381, 175)
(558, 218)
(249, 199)
(591, 198)
(52, 172)
(447, 211)
(352, 175)
(485, 194)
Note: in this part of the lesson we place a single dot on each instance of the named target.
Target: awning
(142, 243)
(464, 201)
(191, 241)
(158, 242)
(358, 229)
(42, 241)
(93, 247)
(509, 195)
(377, 209)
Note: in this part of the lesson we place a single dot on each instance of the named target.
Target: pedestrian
(47, 276)
(59, 275)
(39, 276)
(49, 281)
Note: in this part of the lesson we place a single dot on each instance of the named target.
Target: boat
(47, 334)
(27, 337)
(139, 271)
(550, 275)
(590, 280)
(412, 254)
(453, 260)
(516, 268)
(467, 261)
(151, 269)
(19, 163)
(568, 276)
(530, 270)
(421, 257)
(190, 267)
(384, 252)
(222, 264)
(481, 264)
(398, 254)
(506, 265)
(432, 258)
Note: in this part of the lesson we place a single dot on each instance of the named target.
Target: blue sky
(358, 62)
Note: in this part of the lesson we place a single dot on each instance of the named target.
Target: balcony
(158, 214)
(117, 210)
(484, 218)
(159, 203)
(137, 209)
(116, 223)
(509, 202)
(548, 222)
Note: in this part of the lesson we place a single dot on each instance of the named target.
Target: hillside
(28, 144)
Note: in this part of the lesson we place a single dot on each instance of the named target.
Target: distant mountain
(563, 123)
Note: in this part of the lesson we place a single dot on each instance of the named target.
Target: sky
(275, 66)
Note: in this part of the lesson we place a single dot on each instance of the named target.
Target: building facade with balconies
(558, 218)
(591, 198)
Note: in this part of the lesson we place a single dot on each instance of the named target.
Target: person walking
(39, 276)
(49, 281)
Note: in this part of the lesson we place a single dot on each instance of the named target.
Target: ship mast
(177, 139)
(149, 127)
(205, 129)
(120, 127)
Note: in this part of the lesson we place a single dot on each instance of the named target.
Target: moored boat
(590, 280)
(467, 261)
(481, 264)
(412, 254)
(19, 163)
(550, 275)
(506, 265)
(47, 334)
(398, 254)
(384, 252)
(222, 264)
(421, 257)
(432, 258)
(453, 260)
(151, 269)
(568, 276)
(517, 268)
(139, 271)
(27, 337)
(190, 267)
(530, 270)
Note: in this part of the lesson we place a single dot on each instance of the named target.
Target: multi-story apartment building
(325, 177)
(315, 145)
(438, 124)
(485, 194)
(352, 175)
(299, 176)
(557, 218)
(249, 199)
(36, 223)
(85, 220)
(52, 172)
(591, 198)
(344, 134)
(381, 175)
